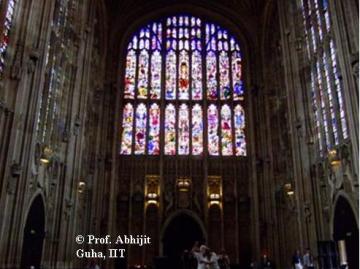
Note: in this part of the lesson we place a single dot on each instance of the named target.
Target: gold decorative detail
(46, 155)
(288, 189)
(214, 190)
(334, 158)
(183, 184)
(81, 186)
(152, 189)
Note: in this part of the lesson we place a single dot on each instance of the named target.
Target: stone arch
(345, 228)
(345, 196)
(182, 212)
(33, 233)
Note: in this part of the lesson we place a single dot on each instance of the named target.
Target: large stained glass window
(183, 90)
(330, 126)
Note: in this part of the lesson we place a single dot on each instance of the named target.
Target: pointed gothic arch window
(183, 90)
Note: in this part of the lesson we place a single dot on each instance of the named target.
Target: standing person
(201, 255)
(224, 261)
(308, 260)
(213, 260)
(266, 263)
(253, 265)
(185, 258)
(297, 260)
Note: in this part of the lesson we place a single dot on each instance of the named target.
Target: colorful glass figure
(140, 129)
(196, 75)
(225, 92)
(130, 75)
(170, 131)
(238, 87)
(213, 128)
(155, 90)
(226, 131)
(184, 75)
(211, 73)
(170, 85)
(153, 144)
(143, 71)
(197, 130)
(127, 129)
(184, 132)
(239, 125)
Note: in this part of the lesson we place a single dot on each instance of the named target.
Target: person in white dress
(308, 260)
(213, 263)
(200, 255)
(297, 260)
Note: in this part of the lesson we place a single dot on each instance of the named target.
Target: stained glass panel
(155, 90)
(239, 124)
(184, 132)
(211, 72)
(170, 85)
(197, 130)
(226, 131)
(143, 72)
(225, 92)
(184, 75)
(170, 132)
(213, 126)
(154, 130)
(127, 128)
(140, 131)
(238, 87)
(196, 76)
(130, 75)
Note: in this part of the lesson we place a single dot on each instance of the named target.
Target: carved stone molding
(355, 69)
(17, 68)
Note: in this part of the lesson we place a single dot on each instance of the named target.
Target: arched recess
(34, 232)
(345, 227)
(187, 217)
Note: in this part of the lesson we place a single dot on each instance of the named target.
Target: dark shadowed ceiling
(250, 7)
(249, 14)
